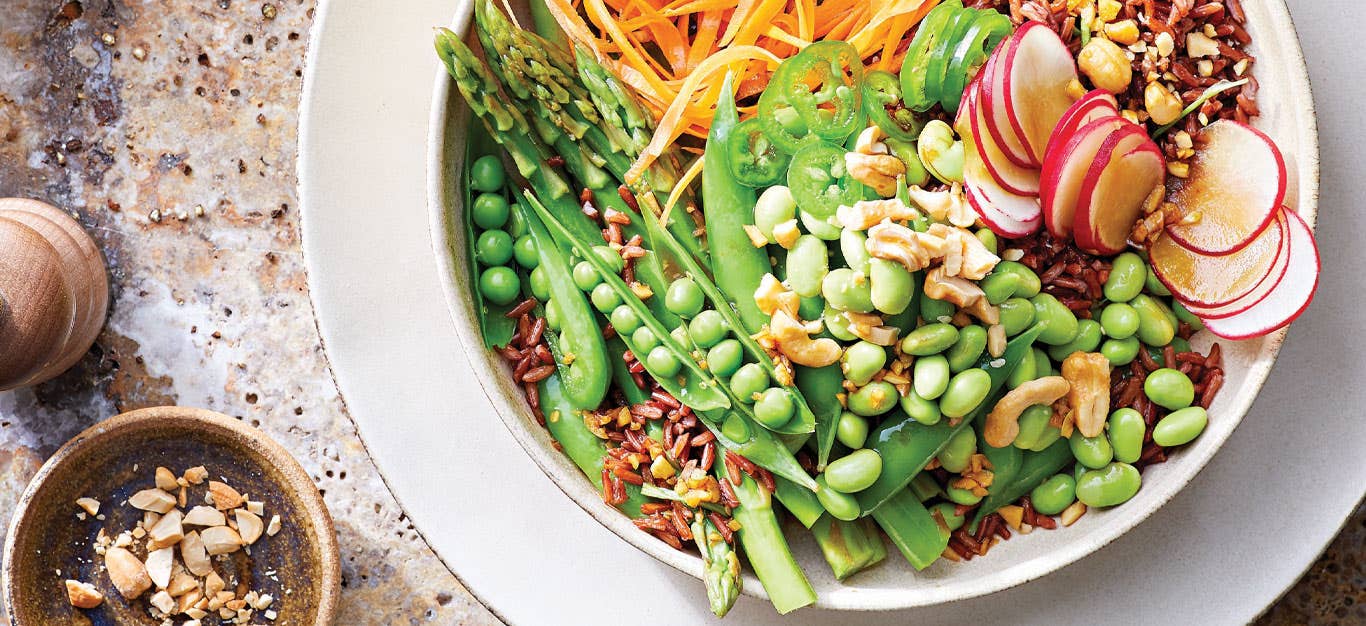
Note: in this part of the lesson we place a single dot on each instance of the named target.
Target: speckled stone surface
(169, 127)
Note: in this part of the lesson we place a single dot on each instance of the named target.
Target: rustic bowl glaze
(116, 458)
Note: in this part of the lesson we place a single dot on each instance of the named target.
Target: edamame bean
(1029, 285)
(854, 472)
(524, 250)
(540, 285)
(586, 276)
(1087, 340)
(893, 288)
(684, 297)
(1077, 470)
(1154, 285)
(725, 357)
(1119, 320)
(644, 339)
(861, 361)
(604, 298)
(1093, 452)
(1060, 324)
(961, 496)
(838, 325)
(966, 391)
(774, 207)
(1183, 314)
(941, 154)
(1033, 423)
(1108, 486)
(820, 228)
(1126, 434)
(1023, 372)
(999, 286)
(500, 285)
(707, 328)
(486, 173)
(916, 174)
(749, 381)
(847, 290)
(1121, 351)
(1043, 366)
(931, 376)
(490, 210)
(1127, 274)
(811, 308)
(1017, 315)
(624, 320)
(948, 512)
(921, 410)
(988, 239)
(958, 451)
(856, 256)
(774, 407)
(930, 339)
(493, 247)
(1054, 495)
(663, 361)
(735, 428)
(839, 505)
(851, 430)
(972, 341)
(932, 310)
(1180, 345)
(1169, 388)
(807, 264)
(874, 398)
(1180, 427)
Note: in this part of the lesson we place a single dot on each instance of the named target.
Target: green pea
(838, 325)
(1127, 274)
(1054, 495)
(1121, 352)
(611, 257)
(1169, 388)
(749, 381)
(966, 392)
(624, 320)
(1119, 320)
(807, 264)
(1017, 315)
(1093, 452)
(874, 398)
(988, 239)
(725, 357)
(486, 173)
(958, 451)
(932, 310)
(708, 328)
(552, 315)
(1033, 424)
(1023, 372)
(1113, 484)
(811, 308)
(839, 505)
(1154, 285)
(604, 298)
(1126, 434)
(821, 229)
(851, 430)
(540, 285)
(494, 247)
(735, 428)
(500, 285)
(524, 250)
(490, 210)
(931, 376)
(893, 288)
(1180, 427)
(1087, 340)
(516, 225)
(854, 472)
(929, 339)
(972, 342)
(961, 496)
(1060, 324)
(774, 207)
(921, 410)
(852, 244)
(644, 339)
(663, 361)
(774, 407)
(1029, 285)
(681, 336)
(586, 276)
(1183, 314)
(861, 361)
(684, 298)
(999, 286)
(847, 290)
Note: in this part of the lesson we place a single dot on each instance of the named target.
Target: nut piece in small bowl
(171, 512)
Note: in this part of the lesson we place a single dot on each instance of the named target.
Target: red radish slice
(1236, 185)
(1011, 177)
(1291, 295)
(1128, 167)
(1272, 279)
(1007, 214)
(1096, 104)
(999, 223)
(992, 99)
(1038, 71)
(1205, 280)
(1065, 169)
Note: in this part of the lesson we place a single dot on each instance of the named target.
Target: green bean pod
(767, 549)
(1035, 467)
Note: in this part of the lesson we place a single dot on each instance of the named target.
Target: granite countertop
(169, 128)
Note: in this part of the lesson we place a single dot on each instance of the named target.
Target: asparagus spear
(721, 565)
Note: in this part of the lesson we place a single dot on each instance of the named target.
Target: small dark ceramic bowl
(116, 458)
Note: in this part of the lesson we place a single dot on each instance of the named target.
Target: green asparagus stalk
(721, 565)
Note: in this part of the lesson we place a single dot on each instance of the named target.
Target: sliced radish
(1211, 281)
(1288, 299)
(1038, 72)
(999, 223)
(1236, 185)
(1095, 105)
(1008, 214)
(1128, 167)
(1065, 169)
(1013, 178)
(992, 98)
(1268, 283)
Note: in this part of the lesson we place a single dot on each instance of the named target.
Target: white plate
(499, 523)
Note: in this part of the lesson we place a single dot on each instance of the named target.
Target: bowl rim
(567, 478)
(295, 477)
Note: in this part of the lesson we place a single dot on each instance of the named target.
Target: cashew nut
(1003, 422)
(795, 342)
(1089, 375)
(786, 233)
(878, 171)
(960, 291)
(864, 214)
(869, 327)
(949, 205)
(772, 295)
(912, 250)
(964, 254)
(870, 141)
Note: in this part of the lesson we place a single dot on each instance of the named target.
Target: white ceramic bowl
(1287, 116)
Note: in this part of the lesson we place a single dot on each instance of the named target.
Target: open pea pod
(1035, 468)
(804, 421)
(495, 327)
(912, 529)
(565, 423)
(906, 445)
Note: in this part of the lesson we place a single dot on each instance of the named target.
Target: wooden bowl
(116, 458)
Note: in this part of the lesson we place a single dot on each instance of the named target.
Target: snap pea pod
(801, 502)
(912, 529)
(621, 374)
(907, 445)
(819, 386)
(1035, 468)
(565, 424)
(767, 549)
(495, 326)
(848, 547)
(721, 566)
(582, 362)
